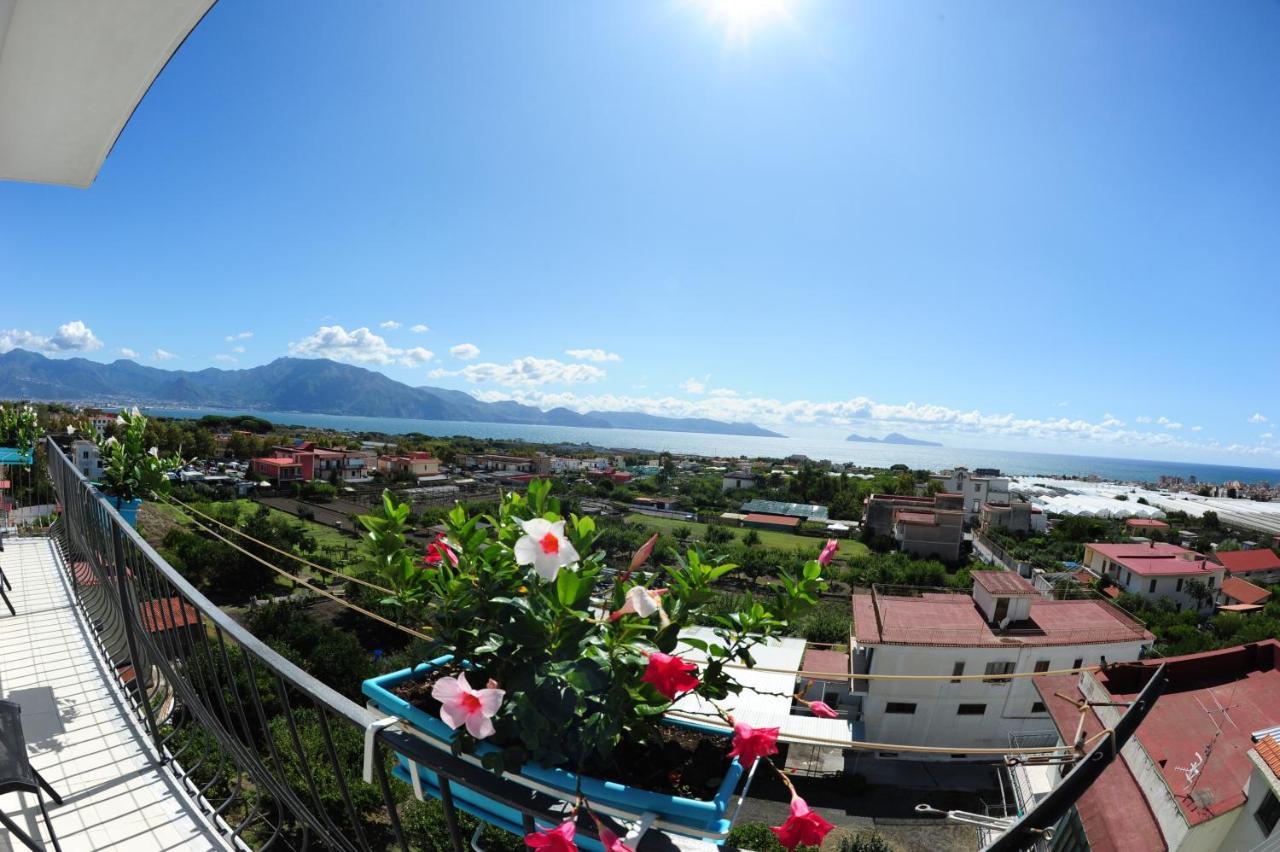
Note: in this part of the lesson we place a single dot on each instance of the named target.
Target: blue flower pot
(128, 509)
(698, 817)
(15, 456)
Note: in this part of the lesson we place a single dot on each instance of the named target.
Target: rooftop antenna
(1196, 767)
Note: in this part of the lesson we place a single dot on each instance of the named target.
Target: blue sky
(1019, 224)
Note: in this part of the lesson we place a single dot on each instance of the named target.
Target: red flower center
(550, 544)
(470, 702)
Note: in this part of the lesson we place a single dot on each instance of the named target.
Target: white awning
(71, 74)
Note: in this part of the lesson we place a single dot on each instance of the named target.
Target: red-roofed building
(279, 470)
(1142, 526)
(1192, 777)
(1003, 627)
(1260, 565)
(781, 523)
(1157, 569)
(832, 690)
(1236, 590)
(923, 526)
(164, 614)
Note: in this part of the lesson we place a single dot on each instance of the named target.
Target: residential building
(1157, 570)
(85, 455)
(1016, 516)
(737, 480)
(413, 464)
(499, 463)
(923, 526)
(1003, 626)
(100, 419)
(1239, 595)
(977, 490)
(1145, 526)
(279, 470)
(665, 504)
(878, 509)
(780, 523)
(617, 477)
(1260, 565)
(1200, 772)
(804, 511)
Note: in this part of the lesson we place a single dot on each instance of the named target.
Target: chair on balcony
(18, 776)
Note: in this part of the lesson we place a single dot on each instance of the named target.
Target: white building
(977, 490)
(85, 455)
(1003, 627)
(1156, 570)
(737, 480)
(1199, 774)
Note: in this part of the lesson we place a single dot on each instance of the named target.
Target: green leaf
(567, 585)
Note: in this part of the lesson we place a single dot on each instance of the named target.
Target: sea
(1010, 462)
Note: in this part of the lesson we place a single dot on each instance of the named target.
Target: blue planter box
(13, 455)
(700, 817)
(128, 509)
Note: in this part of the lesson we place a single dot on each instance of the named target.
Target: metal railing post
(129, 611)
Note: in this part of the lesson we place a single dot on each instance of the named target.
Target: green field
(768, 538)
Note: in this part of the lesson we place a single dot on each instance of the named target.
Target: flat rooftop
(948, 619)
(81, 735)
(1217, 697)
(1156, 558)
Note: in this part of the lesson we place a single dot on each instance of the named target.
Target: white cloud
(416, 356)
(596, 355)
(464, 351)
(244, 335)
(360, 346)
(72, 336)
(225, 359)
(526, 372)
(1258, 418)
(126, 352)
(389, 325)
(162, 355)
(1169, 424)
(1109, 420)
(419, 329)
(1143, 419)
(238, 350)
(1266, 436)
(1196, 428)
(692, 385)
(722, 392)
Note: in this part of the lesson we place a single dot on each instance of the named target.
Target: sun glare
(740, 19)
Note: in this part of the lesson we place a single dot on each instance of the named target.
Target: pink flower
(670, 675)
(558, 839)
(612, 842)
(803, 826)
(544, 546)
(461, 705)
(822, 710)
(642, 555)
(439, 550)
(751, 744)
(828, 552)
(641, 601)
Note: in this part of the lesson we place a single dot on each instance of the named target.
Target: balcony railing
(274, 757)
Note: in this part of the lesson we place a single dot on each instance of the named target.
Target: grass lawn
(768, 538)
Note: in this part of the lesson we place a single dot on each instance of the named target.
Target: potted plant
(131, 470)
(19, 430)
(547, 667)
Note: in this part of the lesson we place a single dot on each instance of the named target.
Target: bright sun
(742, 18)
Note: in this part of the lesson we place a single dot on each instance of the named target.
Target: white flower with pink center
(544, 546)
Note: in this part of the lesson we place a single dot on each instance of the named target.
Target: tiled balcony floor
(80, 734)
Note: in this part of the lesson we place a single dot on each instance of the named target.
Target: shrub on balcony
(131, 470)
(19, 427)
(565, 665)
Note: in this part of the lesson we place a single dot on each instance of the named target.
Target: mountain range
(893, 438)
(312, 385)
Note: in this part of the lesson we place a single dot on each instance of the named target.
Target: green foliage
(130, 470)
(318, 491)
(865, 841)
(19, 427)
(827, 623)
(426, 831)
(756, 837)
(217, 569)
(752, 538)
(573, 680)
(329, 654)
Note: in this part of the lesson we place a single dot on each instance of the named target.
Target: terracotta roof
(822, 660)
(158, 615)
(953, 620)
(923, 518)
(1155, 559)
(1243, 591)
(1150, 523)
(1243, 561)
(778, 520)
(1003, 583)
(278, 462)
(1269, 750)
(1115, 814)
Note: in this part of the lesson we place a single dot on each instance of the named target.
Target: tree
(751, 539)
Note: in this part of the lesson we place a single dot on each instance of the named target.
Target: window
(1211, 582)
(890, 754)
(957, 670)
(1042, 665)
(1078, 663)
(1038, 707)
(998, 669)
(900, 707)
(1268, 813)
(971, 710)
(1152, 587)
(1178, 587)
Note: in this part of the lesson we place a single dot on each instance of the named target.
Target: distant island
(305, 385)
(893, 438)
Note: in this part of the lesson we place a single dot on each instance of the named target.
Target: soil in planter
(683, 762)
